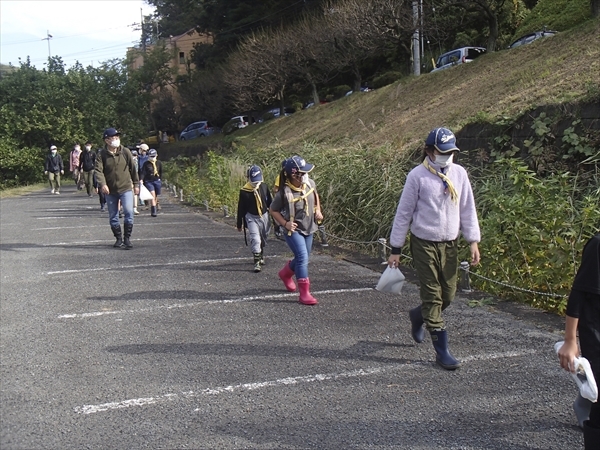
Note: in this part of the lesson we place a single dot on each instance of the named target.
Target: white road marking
(200, 302)
(105, 226)
(92, 409)
(170, 238)
(136, 266)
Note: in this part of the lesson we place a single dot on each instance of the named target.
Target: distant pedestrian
(87, 162)
(583, 317)
(436, 205)
(118, 180)
(253, 213)
(74, 165)
(134, 153)
(150, 175)
(294, 208)
(54, 168)
(142, 158)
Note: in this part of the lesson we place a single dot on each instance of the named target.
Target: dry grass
(556, 70)
(22, 190)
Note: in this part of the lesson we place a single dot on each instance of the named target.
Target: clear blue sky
(88, 31)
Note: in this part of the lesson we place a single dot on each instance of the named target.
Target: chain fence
(465, 283)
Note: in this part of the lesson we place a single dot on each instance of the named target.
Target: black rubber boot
(591, 436)
(439, 338)
(117, 232)
(153, 211)
(416, 319)
(128, 227)
(257, 262)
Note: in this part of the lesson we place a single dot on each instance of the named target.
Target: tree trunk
(315, 93)
(493, 37)
(595, 8)
(357, 79)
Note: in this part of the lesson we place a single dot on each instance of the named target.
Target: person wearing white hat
(54, 168)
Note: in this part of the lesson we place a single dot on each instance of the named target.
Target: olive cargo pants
(436, 264)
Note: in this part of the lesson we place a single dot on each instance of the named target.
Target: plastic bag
(391, 280)
(144, 193)
(583, 376)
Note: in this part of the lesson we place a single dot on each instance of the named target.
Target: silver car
(458, 56)
(197, 129)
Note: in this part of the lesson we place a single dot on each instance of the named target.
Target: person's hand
(96, 189)
(104, 189)
(318, 214)
(291, 226)
(394, 261)
(45, 172)
(240, 229)
(475, 256)
(566, 354)
(62, 172)
(136, 190)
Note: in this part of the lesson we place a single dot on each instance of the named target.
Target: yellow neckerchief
(445, 179)
(153, 161)
(289, 194)
(249, 187)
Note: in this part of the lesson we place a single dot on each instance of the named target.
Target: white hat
(144, 147)
(53, 147)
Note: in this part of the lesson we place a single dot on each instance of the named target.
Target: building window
(181, 58)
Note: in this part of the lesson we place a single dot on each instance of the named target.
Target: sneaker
(52, 191)
(57, 193)
(102, 208)
(135, 211)
(257, 267)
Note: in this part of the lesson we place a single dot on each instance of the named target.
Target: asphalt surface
(178, 344)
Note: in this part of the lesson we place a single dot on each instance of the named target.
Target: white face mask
(443, 160)
(53, 152)
(115, 143)
(87, 147)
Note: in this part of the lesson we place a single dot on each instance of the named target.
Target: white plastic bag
(391, 280)
(144, 193)
(587, 387)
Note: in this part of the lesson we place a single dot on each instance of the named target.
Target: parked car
(458, 56)
(198, 129)
(529, 38)
(235, 123)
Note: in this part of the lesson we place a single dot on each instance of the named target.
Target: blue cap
(297, 164)
(443, 140)
(110, 132)
(254, 174)
(152, 152)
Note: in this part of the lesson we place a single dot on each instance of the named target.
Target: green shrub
(268, 116)
(20, 166)
(385, 78)
(558, 15)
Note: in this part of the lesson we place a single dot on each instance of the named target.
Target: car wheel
(201, 135)
(182, 138)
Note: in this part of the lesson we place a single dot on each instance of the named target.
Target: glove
(62, 172)
(45, 172)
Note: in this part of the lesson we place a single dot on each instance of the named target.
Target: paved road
(178, 344)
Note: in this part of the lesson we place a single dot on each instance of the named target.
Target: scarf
(254, 187)
(155, 171)
(303, 194)
(447, 182)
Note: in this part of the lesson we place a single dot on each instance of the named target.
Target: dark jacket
(147, 171)
(247, 203)
(53, 163)
(116, 170)
(87, 160)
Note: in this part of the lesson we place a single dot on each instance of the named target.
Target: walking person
(583, 316)
(74, 165)
(150, 175)
(253, 213)
(436, 205)
(54, 168)
(116, 177)
(295, 208)
(134, 153)
(87, 162)
(142, 158)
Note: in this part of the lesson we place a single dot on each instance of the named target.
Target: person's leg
(589, 341)
(254, 225)
(449, 271)
(112, 201)
(157, 191)
(57, 180)
(51, 181)
(127, 203)
(301, 246)
(89, 181)
(150, 186)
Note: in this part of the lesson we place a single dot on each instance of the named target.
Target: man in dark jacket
(117, 176)
(54, 168)
(87, 162)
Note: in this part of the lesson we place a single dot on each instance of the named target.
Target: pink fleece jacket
(429, 211)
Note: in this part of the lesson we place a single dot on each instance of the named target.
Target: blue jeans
(301, 245)
(112, 200)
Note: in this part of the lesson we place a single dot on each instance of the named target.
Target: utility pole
(47, 38)
(416, 40)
